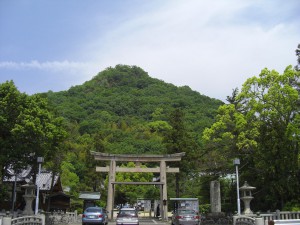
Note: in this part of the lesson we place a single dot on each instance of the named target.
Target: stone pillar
(259, 221)
(43, 218)
(163, 179)
(234, 218)
(6, 220)
(161, 201)
(110, 194)
(215, 197)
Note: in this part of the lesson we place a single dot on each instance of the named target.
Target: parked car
(128, 216)
(185, 217)
(95, 215)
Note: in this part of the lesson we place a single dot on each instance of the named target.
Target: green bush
(204, 208)
(292, 206)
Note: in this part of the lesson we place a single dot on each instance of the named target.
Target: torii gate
(112, 169)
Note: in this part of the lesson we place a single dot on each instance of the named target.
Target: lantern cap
(246, 186)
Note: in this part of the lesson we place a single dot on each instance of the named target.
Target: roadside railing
(265, 218)
(280, 215)
(28, 220)
(246, 220)
(25, 220)
(53, 218)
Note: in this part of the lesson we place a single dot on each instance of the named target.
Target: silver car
(185, 217)
(94, 215)
(127, 216)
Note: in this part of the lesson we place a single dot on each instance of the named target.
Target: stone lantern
(246, 197)
(28, 197)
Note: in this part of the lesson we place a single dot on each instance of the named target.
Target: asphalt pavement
(143, 221)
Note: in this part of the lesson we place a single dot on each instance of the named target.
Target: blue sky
(212, 46)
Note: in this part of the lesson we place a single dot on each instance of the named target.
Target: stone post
(234, 219)
(215, 197)
(43, 217)
(278, 214)
(259, 221)
(6, 220)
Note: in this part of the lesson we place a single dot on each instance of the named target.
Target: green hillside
(124, 110)
(126, 98)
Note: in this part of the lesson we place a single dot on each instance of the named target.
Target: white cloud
(54, 65)
(211, 46)
(202, 44)
(77, 71)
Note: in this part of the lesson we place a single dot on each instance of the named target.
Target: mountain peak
(122, 75)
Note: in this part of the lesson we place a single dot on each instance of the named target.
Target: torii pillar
(164, 198)
(163, 170)
(110, 192)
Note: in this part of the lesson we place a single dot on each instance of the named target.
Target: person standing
(157, 211)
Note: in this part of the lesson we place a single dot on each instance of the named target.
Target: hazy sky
(212, 46)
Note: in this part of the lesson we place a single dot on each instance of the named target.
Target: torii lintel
(137, 158)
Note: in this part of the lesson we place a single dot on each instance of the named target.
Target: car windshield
(93, 210)
(127, 213)
(184, 212)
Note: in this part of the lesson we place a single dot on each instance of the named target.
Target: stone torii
(112, 169)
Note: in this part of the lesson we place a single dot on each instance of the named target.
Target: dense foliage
(28, 130)
(297, 67)
(123, 110)
(261, 127)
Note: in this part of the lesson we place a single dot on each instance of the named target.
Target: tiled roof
(90, 195)
(24, 174)
(43, 180)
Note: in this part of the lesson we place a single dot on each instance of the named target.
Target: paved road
(143, 221)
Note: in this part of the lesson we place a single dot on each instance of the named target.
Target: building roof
(90, 195)
(43, 180)
(184, 199)
(25, 174)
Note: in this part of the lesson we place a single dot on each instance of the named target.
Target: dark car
(94, 215)
(127, 216)
(185, 217)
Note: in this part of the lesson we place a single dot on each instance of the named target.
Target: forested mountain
(124, 110)
(126, 98)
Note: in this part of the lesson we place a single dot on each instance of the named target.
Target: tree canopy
(261, 127)
(27, 130)
(297, 67)
(123, 110)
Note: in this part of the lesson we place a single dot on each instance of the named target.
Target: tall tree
(27, 129)
(297, 67)
(178, 139)
(262, 128)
